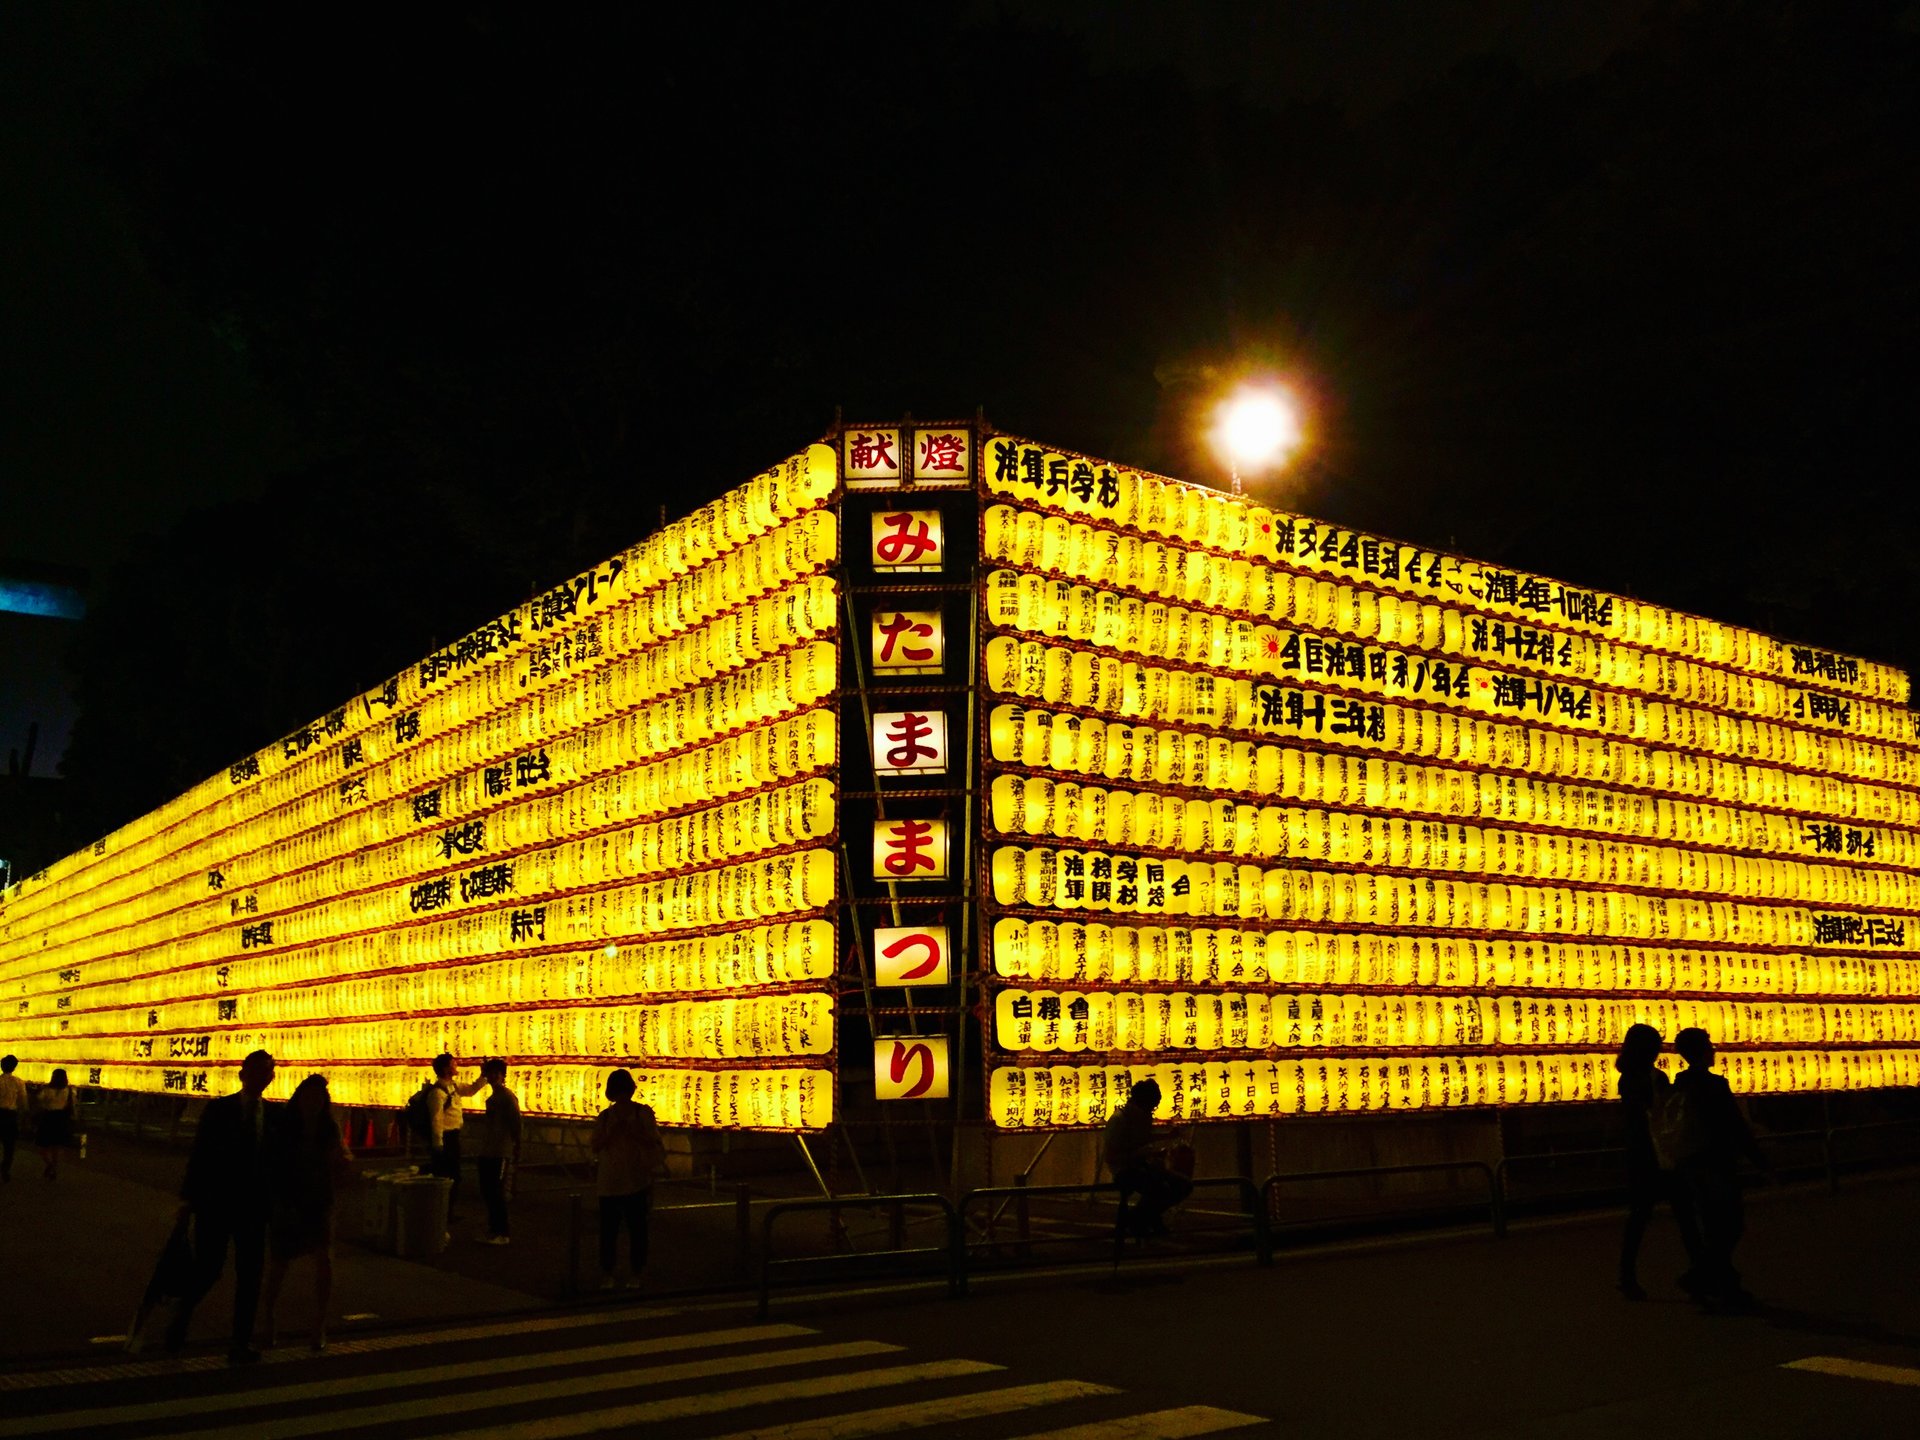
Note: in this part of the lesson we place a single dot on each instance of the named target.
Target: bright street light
(1255, 430)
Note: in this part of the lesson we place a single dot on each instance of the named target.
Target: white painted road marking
(259, 1395)
(560, 1427)
(1156, 1425)
(435, 1407)
(371, 1344)
(1856, 1369)
(854, 1424)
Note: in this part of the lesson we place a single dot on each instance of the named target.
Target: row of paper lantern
(778, 886)
(304, 984)
(1168, 574)
(753, 682)
(1045, 1097)
(381, 888)
(1064, 810)
(779, 1098)
(357, 1027)
(1115, 750)
(1229, 646)
(618, 800)
(1170, 510)
(768, 501)
(1070, 950)
(804, 611)
(1056, 675)
(1135, 1021)
(757, 757)
(775, 686)
(1044, 878)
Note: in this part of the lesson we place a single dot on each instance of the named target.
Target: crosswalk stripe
(1155, 1425)
(436, 1406)
(1856, 1369)
(680, 1407)
(366, 1345)
(394, 1379)
(887, 1419)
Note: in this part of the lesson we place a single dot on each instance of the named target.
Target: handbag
(171, 1286)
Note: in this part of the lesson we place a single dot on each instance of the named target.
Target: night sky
(329, 336)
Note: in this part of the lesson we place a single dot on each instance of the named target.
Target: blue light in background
(33, 597)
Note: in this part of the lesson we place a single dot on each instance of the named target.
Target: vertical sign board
(912, 589)
(1299, 820)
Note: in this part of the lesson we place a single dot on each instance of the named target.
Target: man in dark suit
(225, 1190)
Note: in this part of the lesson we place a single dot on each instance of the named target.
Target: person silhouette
(306, 1158)
(1717, 1139)
(1137, 1159)
(225, 1190)
(1645, 1093)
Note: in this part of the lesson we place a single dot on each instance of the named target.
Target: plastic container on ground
(373, 1217)
(420, 1215)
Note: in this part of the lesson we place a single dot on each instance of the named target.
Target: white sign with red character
(908, 642)
(910, 1067)
(910, 850)
(942, 457)
(908, 540)
(870, 459)
(910, 742)
(911, 955)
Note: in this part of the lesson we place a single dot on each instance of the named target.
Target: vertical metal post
(1826, 1143)
(573, 1242)
(743, 1226)
(1262, 1231)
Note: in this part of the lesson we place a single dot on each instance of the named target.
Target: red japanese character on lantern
(942, 452)
(914, 955)
(906, 741)
(907, 540)
(910, 849)
(910, 1067)
(873, 455)
(907, 640)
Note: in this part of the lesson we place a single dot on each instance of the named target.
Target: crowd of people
(50, 1116)
(262, 1183)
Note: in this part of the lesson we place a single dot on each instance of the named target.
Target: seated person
(1138, 1161)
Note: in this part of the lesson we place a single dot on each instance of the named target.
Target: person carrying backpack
(1646, 1097)
(1713, 1139)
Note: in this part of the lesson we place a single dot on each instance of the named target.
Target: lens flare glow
(1256, 429)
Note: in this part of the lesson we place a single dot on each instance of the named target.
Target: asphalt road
(1431, 1336)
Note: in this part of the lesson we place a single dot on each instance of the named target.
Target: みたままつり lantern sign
(908, 642)
(910, 1067)
(908, 540)
(910, 742)
(911, 955)
(910, 850)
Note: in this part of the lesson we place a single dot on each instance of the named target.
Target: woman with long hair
(53, 1122)
(305, 1157)
(1644, 1094)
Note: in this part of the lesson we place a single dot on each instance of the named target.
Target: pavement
(1439, 1334)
